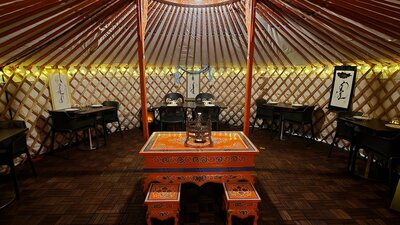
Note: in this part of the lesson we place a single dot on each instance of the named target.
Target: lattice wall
(377, 92)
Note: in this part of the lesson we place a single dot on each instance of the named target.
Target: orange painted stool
(241, 200)
(162, 202)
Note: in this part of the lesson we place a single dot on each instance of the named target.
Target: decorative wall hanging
(342, 88)
(59, 90)
(192, 86)
(193, 80)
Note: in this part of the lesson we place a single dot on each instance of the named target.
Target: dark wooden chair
(174, 97)
(204, 97)
(172, 115)
(302, 117)
(344, 130)
(64, 122)
(209, 112)
(265, 113)
(13, 148)
(384, 145)
(111, 116)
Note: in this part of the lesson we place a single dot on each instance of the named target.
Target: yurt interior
(199, 112)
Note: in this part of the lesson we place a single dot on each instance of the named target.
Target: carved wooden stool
(241, 200)
(162, 202)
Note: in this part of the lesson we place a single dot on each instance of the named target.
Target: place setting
(394, 123)
(273, 102)
(72, 109)
(208, 103)
(362, 117)
(297, 104)
(172, 103)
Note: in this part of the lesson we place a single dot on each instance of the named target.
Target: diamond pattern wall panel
(377, 93)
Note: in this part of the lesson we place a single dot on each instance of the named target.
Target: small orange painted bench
(241, 200)
(162, 202)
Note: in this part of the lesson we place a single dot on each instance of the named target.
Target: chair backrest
(111, 103)
(204, 97)
(260, 102)
(64, 121)
(174, 96)
(263, 110)
(208, 112)
(111, 115)
(18, 144)
(172, 114)
(308, 113)
(344, 129)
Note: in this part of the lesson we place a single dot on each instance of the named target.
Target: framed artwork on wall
(193, 86)
(59, 91)
(342, 91)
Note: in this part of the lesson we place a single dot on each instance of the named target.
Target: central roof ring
(197, 3)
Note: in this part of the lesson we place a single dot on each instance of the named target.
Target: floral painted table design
(168, 160)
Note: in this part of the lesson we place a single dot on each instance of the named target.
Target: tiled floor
(297, 182)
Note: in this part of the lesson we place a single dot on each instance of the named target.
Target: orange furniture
(162, 202)
(241, 200)
(229, 159)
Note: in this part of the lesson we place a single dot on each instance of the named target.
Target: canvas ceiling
(288, 32)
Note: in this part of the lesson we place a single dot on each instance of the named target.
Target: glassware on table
(395, 120)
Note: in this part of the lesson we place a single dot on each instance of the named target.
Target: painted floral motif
(240, 191)
(199, 159)
(201, 179)
(163, 192)
(222, 141)
(242, 204)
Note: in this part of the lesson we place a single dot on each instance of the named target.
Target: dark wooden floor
(297, 182)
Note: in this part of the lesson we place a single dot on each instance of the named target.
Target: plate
(209, 105)
(361, 117)
(272, 102)
(97, 106)
(396, 126)
(71, 109)
(297, 104)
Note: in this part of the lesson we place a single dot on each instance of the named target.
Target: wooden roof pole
(142, 66)
(250, 14)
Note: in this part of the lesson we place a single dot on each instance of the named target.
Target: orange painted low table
(241, 200)
(162, 202)
(168, 160)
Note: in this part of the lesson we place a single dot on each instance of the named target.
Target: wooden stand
(198, 133)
